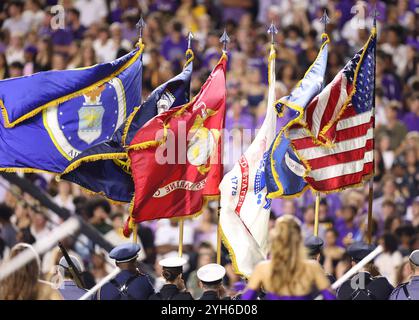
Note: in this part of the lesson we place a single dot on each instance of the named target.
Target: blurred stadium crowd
(98, 30)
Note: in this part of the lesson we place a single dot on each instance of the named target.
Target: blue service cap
(313, 244)
(125, 252)
(359, 250)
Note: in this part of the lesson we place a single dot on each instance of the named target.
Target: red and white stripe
(347, 161)
(325, 106)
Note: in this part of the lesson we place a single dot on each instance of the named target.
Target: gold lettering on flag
(179, 184)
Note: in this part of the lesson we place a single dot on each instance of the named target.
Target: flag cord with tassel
(224, 39)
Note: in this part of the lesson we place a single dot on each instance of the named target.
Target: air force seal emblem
(91, 118)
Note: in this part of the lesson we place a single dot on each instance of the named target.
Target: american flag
(337, 142)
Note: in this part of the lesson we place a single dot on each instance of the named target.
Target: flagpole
(135, 235)
(371, 182)
(370, 201)
(316, 214)
(181, 223)
(224, 39)
(218, 236)
(181, 220)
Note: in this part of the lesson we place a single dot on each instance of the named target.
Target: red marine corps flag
(176, 156)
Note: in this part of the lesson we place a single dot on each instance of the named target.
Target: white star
(61, 113)
(116, 111)
(69, 138)
(62, 127)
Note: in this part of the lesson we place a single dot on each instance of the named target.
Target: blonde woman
(289, 275)
(24, 283)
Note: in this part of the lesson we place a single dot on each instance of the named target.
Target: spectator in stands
(167, 238)
(23, 284)
(99, 211)
(39, 224)
(91, 11)
(174, 45)
(411, 118)
(16, 21)
(73, 21)
(331, 251)
(64, 198)
(206, 228)
(394, 128)
(4, 70)
(346, 226)
(98, 267)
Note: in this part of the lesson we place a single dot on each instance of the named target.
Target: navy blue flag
(104, 168)
(50, 117)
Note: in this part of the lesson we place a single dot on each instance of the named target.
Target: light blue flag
(283, 169)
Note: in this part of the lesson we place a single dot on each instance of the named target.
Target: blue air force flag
(283, 169)
(104, 167)
(50, 117)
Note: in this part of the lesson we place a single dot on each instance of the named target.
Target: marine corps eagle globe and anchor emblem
(202, 142)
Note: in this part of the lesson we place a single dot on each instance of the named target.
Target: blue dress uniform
(172, 268)
(127, 285)
(409, 290)
(363, 286)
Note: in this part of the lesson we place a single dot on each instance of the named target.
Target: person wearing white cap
(129, 284)
(409, 290)
(175, 288)
(69, 290)
(211, 280)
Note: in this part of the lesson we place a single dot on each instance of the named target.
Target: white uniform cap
(211, 272)
(172, 262)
